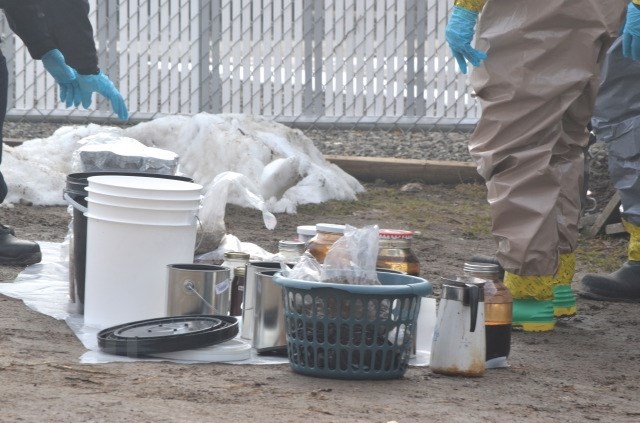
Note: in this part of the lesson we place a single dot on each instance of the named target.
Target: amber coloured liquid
(498, 329)
(237, 295)
(408, 264)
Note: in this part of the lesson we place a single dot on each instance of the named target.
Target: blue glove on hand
(631, 33)
(101, 84)
(459, 34)
(65, 76)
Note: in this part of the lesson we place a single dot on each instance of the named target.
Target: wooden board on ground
(370, 169)
(605, 217)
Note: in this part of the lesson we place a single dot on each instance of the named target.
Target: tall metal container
(198, 289)
(269, 331)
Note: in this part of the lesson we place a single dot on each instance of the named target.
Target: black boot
(621, 285)
(17, 252)
(487, 259)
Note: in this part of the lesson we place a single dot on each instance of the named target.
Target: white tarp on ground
(44, 287)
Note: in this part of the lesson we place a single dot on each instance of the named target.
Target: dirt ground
(587, 369)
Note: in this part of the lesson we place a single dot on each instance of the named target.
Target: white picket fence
(377, 63)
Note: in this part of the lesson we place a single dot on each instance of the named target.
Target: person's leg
(616, 121)
(13, 251)
(526, 86)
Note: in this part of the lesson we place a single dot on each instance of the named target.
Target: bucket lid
(143, 183)
(153, 336)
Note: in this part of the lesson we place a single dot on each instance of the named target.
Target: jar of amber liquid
(326, 235)
(498, 308)
(237, 261)
(395, 252)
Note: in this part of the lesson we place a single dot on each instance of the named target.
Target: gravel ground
(421, 145)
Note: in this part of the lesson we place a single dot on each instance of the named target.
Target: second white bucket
(127, 259)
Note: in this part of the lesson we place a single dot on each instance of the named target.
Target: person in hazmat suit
(616, 122)
(59, 33)
(536, 77)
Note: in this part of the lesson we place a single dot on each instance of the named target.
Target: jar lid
(395, 234)
(237, 255)
(330, 227)
(291, 244)
(481, 267)
(306, 230)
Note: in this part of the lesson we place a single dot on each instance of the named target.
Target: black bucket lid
(167, 334)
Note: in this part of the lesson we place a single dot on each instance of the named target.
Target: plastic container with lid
(237, 261)
(395, 252)
(306, 232)
(326, 235)
(498, 308)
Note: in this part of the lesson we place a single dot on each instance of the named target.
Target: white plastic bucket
(141, 216)
(150, 203)
(128, 248)
(126, 269)
(141, 187)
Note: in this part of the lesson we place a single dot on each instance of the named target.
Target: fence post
(415, 36)
(107, 37)
(210, 94)
(313, 32)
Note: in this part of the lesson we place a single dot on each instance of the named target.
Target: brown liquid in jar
(395, 253)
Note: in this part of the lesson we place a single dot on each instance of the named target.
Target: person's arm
(69, 27)
(460, 31)
(473, 5)
(26, 19)
(631, 31)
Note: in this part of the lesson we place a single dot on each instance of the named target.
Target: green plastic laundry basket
(343, 331)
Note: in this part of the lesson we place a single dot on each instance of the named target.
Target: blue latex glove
(459, 34)
(65, 76)
(631, 33)
(101, 84)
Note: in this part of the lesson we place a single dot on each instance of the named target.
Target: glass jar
(326, 235)
(237, 261)
(290, 251)
(395, 253)
(498, 309)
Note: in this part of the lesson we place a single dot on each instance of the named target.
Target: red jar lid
(394, 234)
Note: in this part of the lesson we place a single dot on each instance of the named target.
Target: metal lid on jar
(306, 230)
(394, 234)
(291, 245)
(236, 255)
(481, 268)
(330, 227)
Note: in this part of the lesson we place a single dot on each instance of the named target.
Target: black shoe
(17, 252)
(487, 259)
(621, 285)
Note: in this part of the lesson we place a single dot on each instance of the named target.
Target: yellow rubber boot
(564, 301)
(633, 249)
(532, 301)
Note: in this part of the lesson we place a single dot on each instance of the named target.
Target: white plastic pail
(147, 188)
(148, 203)
(128, 249)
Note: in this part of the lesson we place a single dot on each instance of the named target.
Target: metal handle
(74, 203)
(474, 298)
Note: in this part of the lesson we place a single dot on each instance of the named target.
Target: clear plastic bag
(352, 258)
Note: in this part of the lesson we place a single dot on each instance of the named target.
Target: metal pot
(198, 289)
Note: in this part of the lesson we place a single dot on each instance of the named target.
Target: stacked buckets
(136, 225)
